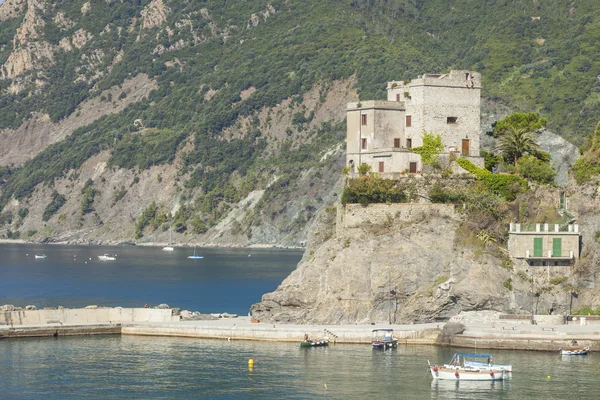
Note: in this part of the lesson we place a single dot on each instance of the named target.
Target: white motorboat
(40, 256)
(106, 257)
(469, 372)
(582, 351)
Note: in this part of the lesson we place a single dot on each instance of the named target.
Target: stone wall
(355, 216)
(84, 315)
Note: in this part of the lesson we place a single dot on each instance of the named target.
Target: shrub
(508, 284)
(536, 170)
(56, 202)
(558, 280)
(505, 185)
(372, 189)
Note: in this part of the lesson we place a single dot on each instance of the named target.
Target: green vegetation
(57, 200)
(431, 148)
(528, 122)
(372, 189)
(87, 202)
(505, 185)
(508, 284)
(588, 165)
(536, 170)
(587, 311)
(150, 217)
(558, 280)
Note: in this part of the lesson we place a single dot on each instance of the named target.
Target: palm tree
(517, 141)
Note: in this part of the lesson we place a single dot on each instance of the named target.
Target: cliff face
(414, 265)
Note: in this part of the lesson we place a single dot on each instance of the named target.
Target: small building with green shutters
(545, 244)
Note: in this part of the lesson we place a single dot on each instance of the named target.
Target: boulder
(30, 307)
(7, 307)
(162, 306)
(449, 331)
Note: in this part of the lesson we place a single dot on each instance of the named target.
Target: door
(381, 166)
(412, 167)
(466, 144)
(538, 247)
(556, 247)
(409, 143)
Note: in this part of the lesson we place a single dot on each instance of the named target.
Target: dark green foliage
(536, 170)
(588, 165)
(372, 189)
(439, 194)
(87, 202)
(530, 122)
(56, 202)
(22, 213)
(148, 215)
(432, 146)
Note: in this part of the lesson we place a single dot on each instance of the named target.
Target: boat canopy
(473, 355)
(383, 330)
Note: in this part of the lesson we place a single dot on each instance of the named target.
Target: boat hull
(461, 374)
(313, 343)
(384, 344)
(168, 248)
(575, 352)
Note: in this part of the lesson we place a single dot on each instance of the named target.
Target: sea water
(135, 367)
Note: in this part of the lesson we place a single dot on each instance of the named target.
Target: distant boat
(456, 371)
(40, 256)
(106, 257)
(383, 339)
(170, 246)
(195, 257)
(315, 343)
(582, 351)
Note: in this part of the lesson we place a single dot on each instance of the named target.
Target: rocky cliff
(422, 264)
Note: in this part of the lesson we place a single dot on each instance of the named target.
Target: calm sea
(131, 367)
(225, 280)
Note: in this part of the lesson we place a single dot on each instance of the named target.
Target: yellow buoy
(548, 376)
(251, 362)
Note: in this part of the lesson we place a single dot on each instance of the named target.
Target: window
(409, 143)
(451, 120)
(408, 121)
(397, 143)
(397, 97)
(364, 144)
(381, 166)
(363, 119)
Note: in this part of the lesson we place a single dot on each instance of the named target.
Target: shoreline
(124, 243)
(161, 323)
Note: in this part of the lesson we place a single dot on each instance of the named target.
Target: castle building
(381, 133)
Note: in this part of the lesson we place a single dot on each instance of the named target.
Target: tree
(431, 148)
(530, 122)
(517, 141)
(539, 171)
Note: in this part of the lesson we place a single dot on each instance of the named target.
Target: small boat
(195, 257)
(582, 351)
(458, 373)
(383, 339)
(106, 257)
(315, 343)
(170, 246)
(40, 256)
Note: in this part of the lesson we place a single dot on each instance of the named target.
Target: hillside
(230, 116)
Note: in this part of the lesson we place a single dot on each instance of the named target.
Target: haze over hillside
(240, 105)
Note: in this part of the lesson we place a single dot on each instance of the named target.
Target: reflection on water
(131, 367)
(72, 276)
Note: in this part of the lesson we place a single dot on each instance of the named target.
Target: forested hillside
(242, 98)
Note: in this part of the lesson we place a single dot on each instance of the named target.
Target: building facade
(545, 244)
(381, 133)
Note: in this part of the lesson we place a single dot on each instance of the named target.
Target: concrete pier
(161, 322)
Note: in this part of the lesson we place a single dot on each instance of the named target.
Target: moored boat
(315, 343)
(195, 257)
(458, 373)
(383, 339)
(40, 256)
(581, 351)
(106, 257)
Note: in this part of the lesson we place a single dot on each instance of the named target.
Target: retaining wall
(85, 316)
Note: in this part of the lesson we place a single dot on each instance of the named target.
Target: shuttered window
(556, 247)
(538, 247)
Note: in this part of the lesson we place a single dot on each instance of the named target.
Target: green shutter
(556, 247)
(538, 247)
